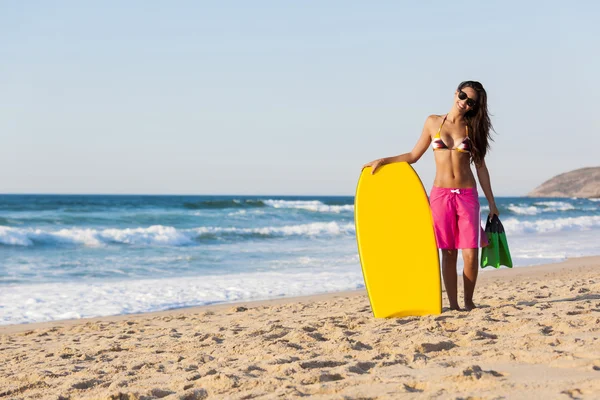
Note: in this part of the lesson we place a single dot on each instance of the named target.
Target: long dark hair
(478, 120)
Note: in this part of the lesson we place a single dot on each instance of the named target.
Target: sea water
(67, 256)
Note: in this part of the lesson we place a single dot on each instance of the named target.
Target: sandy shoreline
(535, 335)
(484, 274)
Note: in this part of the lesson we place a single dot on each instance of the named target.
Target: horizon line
(205, 194)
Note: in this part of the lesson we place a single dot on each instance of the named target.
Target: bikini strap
(444, 120)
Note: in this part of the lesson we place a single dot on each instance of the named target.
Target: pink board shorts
(456, 218)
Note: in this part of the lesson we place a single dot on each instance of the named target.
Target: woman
(458, 139)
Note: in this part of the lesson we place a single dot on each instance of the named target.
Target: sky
(283, 97)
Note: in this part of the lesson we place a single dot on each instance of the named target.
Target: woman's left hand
(493, 211)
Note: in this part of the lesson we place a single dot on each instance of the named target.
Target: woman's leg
(470, 257)
(469, 239)
(450, 278)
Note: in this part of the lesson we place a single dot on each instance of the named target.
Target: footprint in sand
(321, 378)
(475, 372)
(160, 393)
(433, 347)
(361, 367)
(388, 360)
(405, 320)
(277, 333)
(573, 393)
(254, 371)
(481, 335)
(546, 330)
(321, 364)
(420, 359)
(87, 384)
(414, 387)
(237, 329)
(318, 337)
(287, 360)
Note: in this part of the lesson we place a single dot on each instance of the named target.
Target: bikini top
(438, 144)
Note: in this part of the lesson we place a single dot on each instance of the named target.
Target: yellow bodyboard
(396, 242)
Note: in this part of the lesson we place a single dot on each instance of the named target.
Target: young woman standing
(458, 139)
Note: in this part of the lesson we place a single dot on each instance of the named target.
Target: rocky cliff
(584, 182)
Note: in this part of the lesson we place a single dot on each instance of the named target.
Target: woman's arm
(416, 153)
(484, 180)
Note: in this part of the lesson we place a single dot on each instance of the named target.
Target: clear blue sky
(284, 97)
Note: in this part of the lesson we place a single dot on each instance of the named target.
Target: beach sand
(535, 335)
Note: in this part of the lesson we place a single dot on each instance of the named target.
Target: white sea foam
(527, 210)
(310, 205)
(235, 213)
(154, 235)
(87, 237)
(14, 237)
(47, 302)
(540, 207)
(313, 229)
(514, 226)
(551, 206)
(158, 235)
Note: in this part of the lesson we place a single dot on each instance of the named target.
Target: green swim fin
(496, 253)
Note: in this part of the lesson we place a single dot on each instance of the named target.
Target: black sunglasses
(470, 102)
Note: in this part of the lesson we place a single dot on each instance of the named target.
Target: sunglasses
(470, 102)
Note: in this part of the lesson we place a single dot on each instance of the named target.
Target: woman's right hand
(375, 164)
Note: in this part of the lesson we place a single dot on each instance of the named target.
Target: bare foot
(469, 305)
(455, 308)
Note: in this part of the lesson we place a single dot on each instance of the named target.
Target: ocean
(75, 256)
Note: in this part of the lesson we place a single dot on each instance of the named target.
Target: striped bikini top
(438, 144)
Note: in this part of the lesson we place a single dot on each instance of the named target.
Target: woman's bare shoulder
(434, 120)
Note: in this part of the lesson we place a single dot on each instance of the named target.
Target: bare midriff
(453, 170)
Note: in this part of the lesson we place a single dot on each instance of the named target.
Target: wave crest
(514, 226)
(159, 235)
(310, 205)
(220, 204)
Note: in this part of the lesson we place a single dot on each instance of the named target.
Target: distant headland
(584, 182)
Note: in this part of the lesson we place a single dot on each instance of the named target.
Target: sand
(534, 336)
